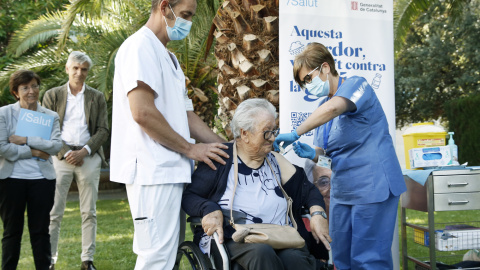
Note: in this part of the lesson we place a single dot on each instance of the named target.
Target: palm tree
(407, 11)
(99, 27)
(99, 36)
(246, 50)
(13, 15)
(199, 70)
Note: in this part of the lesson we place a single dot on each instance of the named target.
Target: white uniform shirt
(135, 157)
(75, 128)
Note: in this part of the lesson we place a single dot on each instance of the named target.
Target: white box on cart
(451, 240)
(430, 156)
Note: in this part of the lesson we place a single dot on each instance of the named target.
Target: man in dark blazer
(84, 125)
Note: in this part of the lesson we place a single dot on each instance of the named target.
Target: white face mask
(181, 28)
(318, 87)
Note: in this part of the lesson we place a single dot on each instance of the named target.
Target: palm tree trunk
(247, 54)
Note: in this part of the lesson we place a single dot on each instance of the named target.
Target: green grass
(115, 234)
(114, 238)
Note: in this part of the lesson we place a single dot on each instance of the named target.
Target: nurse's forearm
(151, 120)
(200, 131)
(323, 114)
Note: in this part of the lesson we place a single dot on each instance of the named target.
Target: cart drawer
(457, 183)
(457, 201)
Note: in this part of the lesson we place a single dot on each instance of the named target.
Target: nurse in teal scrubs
(352, 131)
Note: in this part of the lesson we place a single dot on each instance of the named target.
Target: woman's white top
(27, 169)
(258, 195)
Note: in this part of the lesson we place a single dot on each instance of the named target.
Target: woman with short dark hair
(27, 177)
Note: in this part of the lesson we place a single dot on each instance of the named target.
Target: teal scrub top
(365, 168)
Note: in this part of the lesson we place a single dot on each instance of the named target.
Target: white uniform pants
(87, 177)
(156, 216)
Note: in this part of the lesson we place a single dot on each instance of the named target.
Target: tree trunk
(247, 54)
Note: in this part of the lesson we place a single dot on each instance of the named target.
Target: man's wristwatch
(321, 213)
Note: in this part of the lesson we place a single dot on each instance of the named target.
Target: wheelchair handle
(223, 253)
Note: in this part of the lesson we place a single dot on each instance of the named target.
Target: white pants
(156, 216)
(87, 177)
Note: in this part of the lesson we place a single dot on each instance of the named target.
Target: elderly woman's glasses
(308, 77)
(269, 133)
(322, 182)
(33, 87)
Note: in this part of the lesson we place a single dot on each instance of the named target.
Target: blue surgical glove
(304, 150)
(286, 138)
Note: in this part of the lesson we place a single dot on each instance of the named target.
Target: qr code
(298, 118)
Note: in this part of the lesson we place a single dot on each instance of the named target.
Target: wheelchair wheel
(189, 256)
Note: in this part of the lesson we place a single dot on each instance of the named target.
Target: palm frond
(43, 61)
(405, 12)
(38, 31)
(104, 58)
(456, 7)
(192, 50)
(139, 12)
(212, 5)
(71, 13)
(87, 8)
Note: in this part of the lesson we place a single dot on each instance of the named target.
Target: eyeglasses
(322, 181)
(308, 77)
(269, 133)
(33, 87)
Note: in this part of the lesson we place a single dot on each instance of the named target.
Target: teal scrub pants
(362, 234)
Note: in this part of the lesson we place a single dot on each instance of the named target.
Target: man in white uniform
(152, 123)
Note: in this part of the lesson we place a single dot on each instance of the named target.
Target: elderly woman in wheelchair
(258, 196)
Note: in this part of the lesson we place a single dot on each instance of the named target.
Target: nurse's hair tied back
(314, 55)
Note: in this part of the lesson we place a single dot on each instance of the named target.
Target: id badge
(324, 161)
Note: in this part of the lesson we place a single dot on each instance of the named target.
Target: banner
(359, 34)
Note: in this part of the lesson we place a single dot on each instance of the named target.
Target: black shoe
(52, 267)
(88, 265)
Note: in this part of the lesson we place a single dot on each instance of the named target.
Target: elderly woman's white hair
(246, 114)
(79, 57)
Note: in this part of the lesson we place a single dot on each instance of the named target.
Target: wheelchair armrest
(195, 220)
(306, 213)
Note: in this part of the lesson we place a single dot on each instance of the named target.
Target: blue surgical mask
(181, 28)
(318, 87)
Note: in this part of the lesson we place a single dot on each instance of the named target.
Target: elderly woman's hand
(213, 222)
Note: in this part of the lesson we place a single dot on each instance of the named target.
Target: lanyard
(326, 132)
(328, 126)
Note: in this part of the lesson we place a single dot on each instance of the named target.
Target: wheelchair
(189, 255)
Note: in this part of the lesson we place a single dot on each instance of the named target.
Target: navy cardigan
(208, 186)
